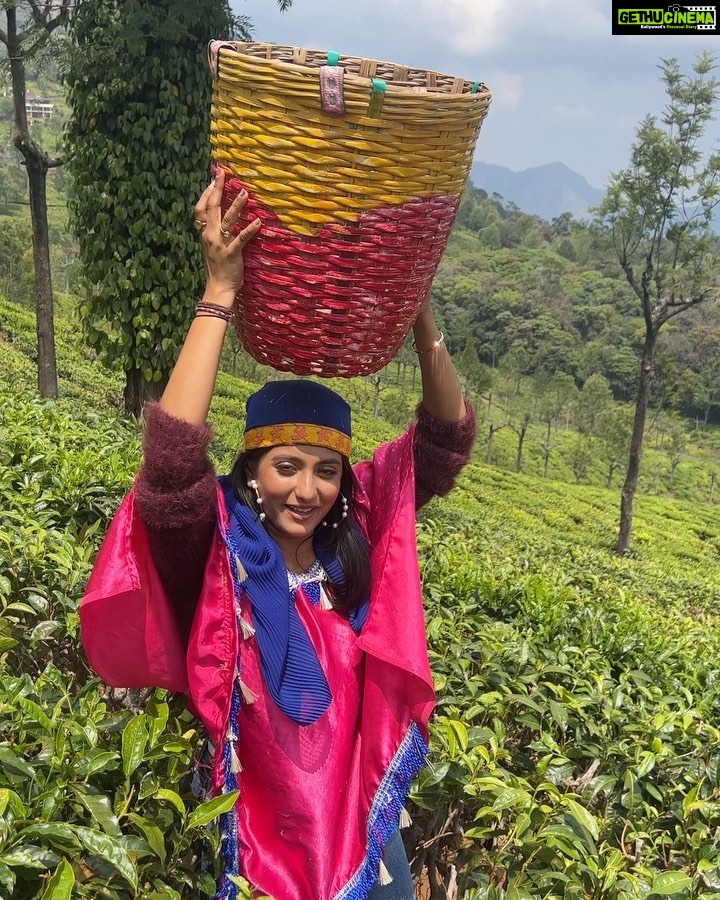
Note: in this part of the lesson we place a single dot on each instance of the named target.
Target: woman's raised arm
(442, 393)
(189, 391)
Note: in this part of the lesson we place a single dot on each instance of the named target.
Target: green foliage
(658, 212)
(139, 88)
(575, 750)
(89, 791)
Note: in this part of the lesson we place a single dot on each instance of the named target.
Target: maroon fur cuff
(175, 486)
(175, 452)
(458, 436)
(441, 450)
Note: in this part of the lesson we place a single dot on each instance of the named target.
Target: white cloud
(507, 88)
(487, 26)
(561, 113)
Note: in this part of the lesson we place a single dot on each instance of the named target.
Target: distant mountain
(545, 191)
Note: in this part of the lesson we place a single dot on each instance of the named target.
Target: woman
(284, 600)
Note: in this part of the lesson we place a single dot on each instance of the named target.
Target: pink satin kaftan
(314, 799)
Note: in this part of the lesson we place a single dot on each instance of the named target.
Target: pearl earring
(258, 499)
(344, 513)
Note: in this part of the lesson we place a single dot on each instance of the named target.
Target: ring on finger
(225, 233)
(199, 224)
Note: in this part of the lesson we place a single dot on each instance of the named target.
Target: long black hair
(344, 542)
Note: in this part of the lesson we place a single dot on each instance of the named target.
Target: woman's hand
(223, 251)
(190, 388)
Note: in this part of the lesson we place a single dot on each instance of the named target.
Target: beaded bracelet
(435, 344)
(214, 310)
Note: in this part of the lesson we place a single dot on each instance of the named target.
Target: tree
(29, 28)
(581, 457)
(556, 394)
(474, 374)
(139, 90)
(594, 398)
(614, 427)
(706, 387)
(675, 450)
(376, 380)
(522, 417)
(16, 282)
(657, 214)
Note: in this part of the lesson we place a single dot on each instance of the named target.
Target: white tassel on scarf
(384, 877)
(245, 627)
(405, 820)
(235, 764)
(247, 695)
(324, 602)
(240, 569)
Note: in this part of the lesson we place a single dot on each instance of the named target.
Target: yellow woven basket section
(313, 169)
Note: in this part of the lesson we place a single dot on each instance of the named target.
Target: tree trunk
(627, 496)
(44, 310)
(521, 440)
(138, 391)
(37, 163)
(489, 446)
(547, 449)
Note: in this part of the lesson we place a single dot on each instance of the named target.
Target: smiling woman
(272, 598)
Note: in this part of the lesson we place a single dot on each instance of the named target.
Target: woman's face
(298, 485)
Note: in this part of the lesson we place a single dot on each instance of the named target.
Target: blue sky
(564, 88)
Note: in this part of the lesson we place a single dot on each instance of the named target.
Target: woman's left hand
(223, 251)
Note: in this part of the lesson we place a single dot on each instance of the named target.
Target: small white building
(38, 109)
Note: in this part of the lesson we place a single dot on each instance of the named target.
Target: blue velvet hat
(297, 412)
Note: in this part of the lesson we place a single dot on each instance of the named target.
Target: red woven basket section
(339, 303)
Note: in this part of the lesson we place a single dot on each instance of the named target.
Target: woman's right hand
(223, 251)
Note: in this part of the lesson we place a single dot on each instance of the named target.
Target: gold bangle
(435, 344)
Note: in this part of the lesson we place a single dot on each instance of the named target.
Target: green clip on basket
(356, 168)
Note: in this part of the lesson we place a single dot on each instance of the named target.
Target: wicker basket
(356, 168)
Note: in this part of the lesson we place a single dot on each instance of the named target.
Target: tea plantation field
(576, 748)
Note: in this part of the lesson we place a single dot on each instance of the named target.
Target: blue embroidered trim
(385, 811)
(312, 591)
(228, 821)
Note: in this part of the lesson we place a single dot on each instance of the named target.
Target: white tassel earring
(343, 514)
(258, 499)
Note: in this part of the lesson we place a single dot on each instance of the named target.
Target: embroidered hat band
(298, 433)
(297, 412)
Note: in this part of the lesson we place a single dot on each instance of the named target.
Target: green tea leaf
(670, 883)
(60, 886)
(153, 835)
(100, 808)
(211, 809)
(13, 763)
(173, 798)
(134, 741)
(583, 817)
(109, 849)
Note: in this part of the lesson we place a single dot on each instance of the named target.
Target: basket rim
(403, 78)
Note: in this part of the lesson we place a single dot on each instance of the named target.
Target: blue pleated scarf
(290, 664)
